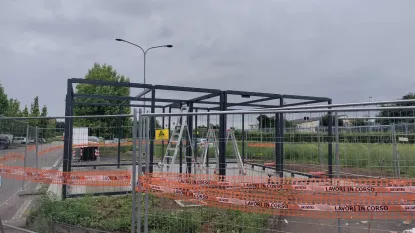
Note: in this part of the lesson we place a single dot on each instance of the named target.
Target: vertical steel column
(243, 138)
(162, 141)
(152, 129)
(207, 127)
(282, 138)
(188, 141)
(169, 124)
(180, 144)
(67, 146)
(277, 146)
(133, 180)
(119, 138)
(330, 141)
(222, 135)
(195, 137)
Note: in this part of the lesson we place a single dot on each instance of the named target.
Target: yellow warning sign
(162, 134)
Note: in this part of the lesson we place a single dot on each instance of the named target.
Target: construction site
(218, 161)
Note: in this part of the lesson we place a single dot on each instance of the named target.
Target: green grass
(114, 214)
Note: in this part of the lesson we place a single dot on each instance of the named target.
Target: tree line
(10, 107)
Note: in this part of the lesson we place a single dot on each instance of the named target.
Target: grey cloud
(347, 50)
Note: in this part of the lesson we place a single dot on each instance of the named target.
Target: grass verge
(114, 214)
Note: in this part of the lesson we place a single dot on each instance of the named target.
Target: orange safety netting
(378, 198)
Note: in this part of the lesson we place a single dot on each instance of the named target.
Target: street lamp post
(145, 53)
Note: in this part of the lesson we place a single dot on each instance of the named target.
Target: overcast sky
(347, 50)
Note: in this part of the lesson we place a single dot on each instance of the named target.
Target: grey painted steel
(119, 138)
(152, 130)
(140, 150)
(222, 135)
(269, 111)
(336, 128)
(330, 141)
(344, 105)
(70, 117)
(188, 140)
(204, 97)
(162, 141)
(243, 138)
(207, 125)
(279, 172)
(112, 104)
(25, 151)
(133, 180)
(109, 83)
(281, 129)
(37, 147)
(391, 118)
(196, 136)
(251, 101)
(232, 92)
(147, 136)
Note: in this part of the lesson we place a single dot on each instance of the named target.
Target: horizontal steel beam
(282, 110)
(110, 83)
(204, 97)
(260, 94)
(127, 98)
(143, 93)
(140, 85)
(252, 101)
(185, 89)
(303, 103)
(112, 104)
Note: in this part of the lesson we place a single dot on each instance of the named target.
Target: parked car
(19, 140)
(4, 142)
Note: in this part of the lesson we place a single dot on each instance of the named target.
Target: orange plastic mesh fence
(330, 198)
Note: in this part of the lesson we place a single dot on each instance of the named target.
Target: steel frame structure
(195, 104)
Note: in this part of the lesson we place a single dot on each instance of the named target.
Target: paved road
(10, 200)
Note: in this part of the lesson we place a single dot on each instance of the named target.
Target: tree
(4, 102)
(265, 121)
(13, 109)
(104, 127)
(34, 111)
(397, 113)
(325, 120)
(44, 123)
(25, 112)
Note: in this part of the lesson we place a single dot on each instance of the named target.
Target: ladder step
(171, 148)
(168, 156)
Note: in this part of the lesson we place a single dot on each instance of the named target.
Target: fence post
(133, 180)
(147, 132)
(25, 151)
(37, 147)
(140, 150)
(336, 130)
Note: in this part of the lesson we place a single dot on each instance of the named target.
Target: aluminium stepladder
(175, 142)
(213, 142)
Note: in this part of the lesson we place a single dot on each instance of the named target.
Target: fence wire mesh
(308, 171)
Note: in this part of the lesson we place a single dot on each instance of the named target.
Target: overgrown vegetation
(114, 214)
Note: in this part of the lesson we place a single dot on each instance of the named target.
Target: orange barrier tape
(83, 178)
(12, 156)
(288, 196)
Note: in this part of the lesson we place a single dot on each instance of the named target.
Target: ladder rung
(168, 156)
(171, 148)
